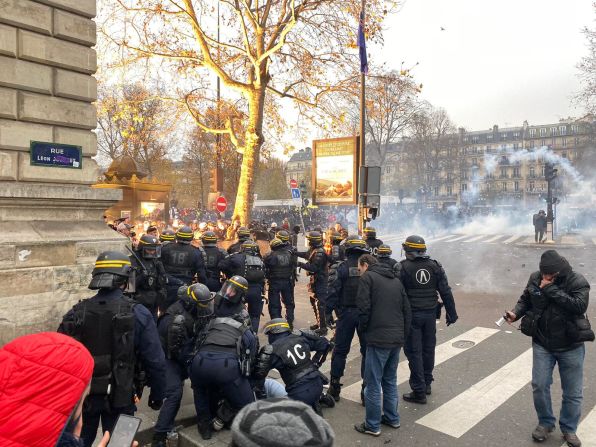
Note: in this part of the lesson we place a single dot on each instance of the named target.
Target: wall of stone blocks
(51, 226)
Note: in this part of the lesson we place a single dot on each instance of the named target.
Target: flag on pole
(362, 45)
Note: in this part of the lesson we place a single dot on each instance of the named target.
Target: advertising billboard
(334, 171)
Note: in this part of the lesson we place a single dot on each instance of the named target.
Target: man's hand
(547, 279)
(510, 316)
(450, 319)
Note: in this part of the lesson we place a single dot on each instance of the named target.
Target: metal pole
(549, 213)
(362, 161)
(218, 136)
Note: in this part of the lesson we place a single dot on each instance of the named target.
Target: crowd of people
(181, 307)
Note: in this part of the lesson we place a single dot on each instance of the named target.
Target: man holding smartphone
(554, 300)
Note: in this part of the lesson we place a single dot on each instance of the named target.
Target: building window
(542, 142)
(562, 130)
(563, 142)
(388, 169)
(504, 186)
(516, 135)
(515, 146)
(542, 171)
(576, 141)
(489, 137)
(436, 190)
(488, 148)
(504, 136)
(464, 186)
(553, 131)
(532, 172)
(503, 172)
(449, 190)
(516, 172)
(532, 133)
(531, 186)
(516, 186)
(474, 162)
(543, 131)
(574, 128)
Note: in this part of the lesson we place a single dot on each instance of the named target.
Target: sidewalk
(560, 241)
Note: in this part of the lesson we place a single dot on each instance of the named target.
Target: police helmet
(335, 237)
(201, 297)
(414, 243)
(209, 239)
(111, 270)
(249, 246)
(384, 251)
(370, 233)
(184, 235)
(243, 233)
(355, 244)
(283, 236)
(234, 289)
(277, 326)
(275, 243)
(314, 238)
(167, 236)
(149, 246)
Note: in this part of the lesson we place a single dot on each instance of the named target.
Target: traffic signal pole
(550, 173)
(362, 161)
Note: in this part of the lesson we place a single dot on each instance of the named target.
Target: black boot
(315, 309)
(414, 397)
(205, 430)
(334, 389)
(159, 439)
(318, 409)
(322, 331)
(327, 401)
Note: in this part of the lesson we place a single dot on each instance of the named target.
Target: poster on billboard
(152, 210)
(334, 168)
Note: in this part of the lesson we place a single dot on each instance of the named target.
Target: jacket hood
(381, 269)
(42, 378)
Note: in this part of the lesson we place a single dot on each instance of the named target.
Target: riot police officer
(150, 275)
(336, 251)
(281, 265)
(167, 237)
(243, 235)
(178, 329)
(250, 266)
(182, 262)
(317, 270)
(213, 255)
(343, 288)
(423, 277)
(225, 356)
(384, 256)
(105, 323)
(370, 236)
(290, 353)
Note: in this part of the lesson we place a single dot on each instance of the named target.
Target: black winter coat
(384, 308)
(558, 304)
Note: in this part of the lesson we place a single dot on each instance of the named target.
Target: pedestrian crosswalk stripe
(494, 238)
(467, 409)
(586, 430)
(512, 238)
(594, 240)
(457, 238)
(442, 238)
(443, 352)
(476, 238)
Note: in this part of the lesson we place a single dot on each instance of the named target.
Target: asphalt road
(482, 393)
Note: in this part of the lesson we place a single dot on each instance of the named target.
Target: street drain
(463, 344)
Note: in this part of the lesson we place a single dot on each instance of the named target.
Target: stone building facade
(51, 226)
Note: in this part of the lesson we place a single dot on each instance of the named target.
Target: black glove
(155, 404)
(301, 265)
(450, 319)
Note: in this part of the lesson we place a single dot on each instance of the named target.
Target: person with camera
(552, 311)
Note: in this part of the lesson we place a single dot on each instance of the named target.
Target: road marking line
(444, 237)
(443, 352)
(477, 238)
(492, 239)
(512, 238)
(586, 431)
(458, 238)
(467, 409)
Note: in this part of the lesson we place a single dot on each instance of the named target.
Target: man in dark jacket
(552, 306)
(385, 317)
(539, 221)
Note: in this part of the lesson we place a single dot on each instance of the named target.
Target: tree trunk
(250, 157)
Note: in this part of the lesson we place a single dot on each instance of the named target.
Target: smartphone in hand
(124, 431)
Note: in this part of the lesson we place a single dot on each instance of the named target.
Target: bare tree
(587, 68)
(293, 49)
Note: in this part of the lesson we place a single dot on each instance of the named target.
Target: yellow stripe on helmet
(357, 242)
(369, 230)
(414, 245)
(107, 266)
(243, 287)
(113, 261)
(184, 234)
(277, 324)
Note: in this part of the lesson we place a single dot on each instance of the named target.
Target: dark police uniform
(281, 265)
(181, 262)
(317, 270)
(96, 323)
(290, 354)
(252, 268)
(213, 256)
(150, 282)
(422, 278)
(370, 236)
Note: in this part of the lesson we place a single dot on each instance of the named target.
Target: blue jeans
(571, 368)
(380, 373)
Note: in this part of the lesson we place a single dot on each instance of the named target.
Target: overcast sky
(495, 62)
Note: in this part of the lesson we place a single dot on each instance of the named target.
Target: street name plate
(56, 155)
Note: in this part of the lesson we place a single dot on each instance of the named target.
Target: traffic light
(549, 172)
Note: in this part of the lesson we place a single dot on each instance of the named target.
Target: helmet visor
(152, 252)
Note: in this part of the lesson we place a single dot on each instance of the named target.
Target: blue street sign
(56, 155)
(295, 193)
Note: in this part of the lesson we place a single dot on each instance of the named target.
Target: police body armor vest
(420, 281)
(294, 352)
(350, 287)
(254, 269)
(318, 252)
(107, 331)
(335, 254)
(212, 257)
(178, 260)
(224, 334)
(284, 267)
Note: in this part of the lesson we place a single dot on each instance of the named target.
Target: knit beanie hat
(280, 422)
(552, 262)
